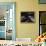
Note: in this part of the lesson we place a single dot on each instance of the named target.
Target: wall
(30, 30)
(27, 30)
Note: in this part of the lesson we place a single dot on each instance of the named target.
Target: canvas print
(27, 17)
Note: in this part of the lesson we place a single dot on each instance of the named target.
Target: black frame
(40, 12)
(2, 23)
(26, 15)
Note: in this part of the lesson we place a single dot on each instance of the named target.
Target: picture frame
(42, 1)
(42, 14)
(27, 17)
(42, 22)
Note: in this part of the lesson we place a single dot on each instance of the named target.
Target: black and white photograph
(27, 17)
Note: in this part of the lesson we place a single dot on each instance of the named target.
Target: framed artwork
(27, 17)
(42, 22)
(42, 1)
(7, 20)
